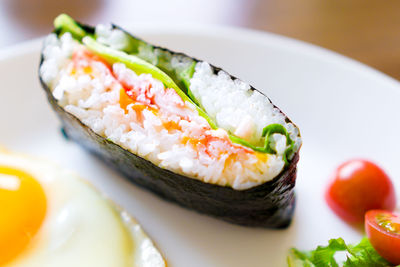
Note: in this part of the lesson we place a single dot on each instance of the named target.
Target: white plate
(344, 110)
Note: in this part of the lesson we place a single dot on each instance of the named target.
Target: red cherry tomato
(383, 231)
(358, 186)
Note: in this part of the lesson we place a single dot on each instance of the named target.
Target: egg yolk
(22, 210)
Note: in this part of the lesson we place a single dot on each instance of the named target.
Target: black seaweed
(270, 204)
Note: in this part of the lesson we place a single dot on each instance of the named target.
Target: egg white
(81, 227)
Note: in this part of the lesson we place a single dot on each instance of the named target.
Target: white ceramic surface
(344, 110)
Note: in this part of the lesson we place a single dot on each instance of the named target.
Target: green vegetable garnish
(133, 62)
(185, 76)
(63, 23)
(362, 254)
(267, 133)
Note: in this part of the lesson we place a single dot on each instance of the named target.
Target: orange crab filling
(140, 99)
(171, 126)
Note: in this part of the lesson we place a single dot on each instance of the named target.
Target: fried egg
(51, 217)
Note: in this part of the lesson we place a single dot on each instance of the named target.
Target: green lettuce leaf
(362, 254)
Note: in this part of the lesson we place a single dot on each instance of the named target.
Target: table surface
(366, 30)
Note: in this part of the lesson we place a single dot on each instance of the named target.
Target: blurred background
(366, 30)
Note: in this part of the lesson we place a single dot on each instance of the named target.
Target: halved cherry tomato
(383, 231)
(358, 186)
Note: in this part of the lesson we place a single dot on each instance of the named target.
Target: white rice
(95, 101)
(116, 39)
(234, 106)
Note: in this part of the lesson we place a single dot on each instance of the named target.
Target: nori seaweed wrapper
(270, 204)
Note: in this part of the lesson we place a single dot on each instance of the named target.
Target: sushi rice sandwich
(178, 126)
